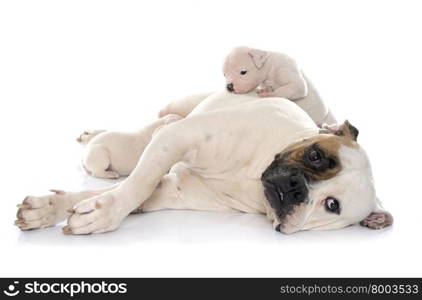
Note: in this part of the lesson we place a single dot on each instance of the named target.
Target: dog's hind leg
(172, 144)
(48, 210)
(97, 162)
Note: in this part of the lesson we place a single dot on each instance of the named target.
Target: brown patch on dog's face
(318, 156)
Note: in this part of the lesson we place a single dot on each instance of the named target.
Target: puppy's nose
(230, 87)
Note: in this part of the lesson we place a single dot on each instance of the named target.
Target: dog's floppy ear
(345, 129)
(258, 57)
(378, 219)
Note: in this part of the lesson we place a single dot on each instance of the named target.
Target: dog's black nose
(230, 87)
(284, 185)
(294, 188)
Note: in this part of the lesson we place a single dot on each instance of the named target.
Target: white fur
(111, 154)
(216, 156)
(274, 74)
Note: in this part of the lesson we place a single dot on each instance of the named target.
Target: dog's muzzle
(230, 87)
(285, 187)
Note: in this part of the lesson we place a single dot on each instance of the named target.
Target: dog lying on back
(231, 153)
(111, 154)
(273, 74)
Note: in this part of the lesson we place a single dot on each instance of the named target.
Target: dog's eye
(243, 72)
(314, 156)
(332, 205)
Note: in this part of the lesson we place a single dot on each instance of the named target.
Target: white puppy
(273, 75)
(111, 154)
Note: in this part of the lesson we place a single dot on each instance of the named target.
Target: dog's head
(324, 182)
(244, 69)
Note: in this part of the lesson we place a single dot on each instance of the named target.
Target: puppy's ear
(345, 129)
(378, 219)
(258, 57)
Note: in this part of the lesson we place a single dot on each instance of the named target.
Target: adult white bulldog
(231, 152)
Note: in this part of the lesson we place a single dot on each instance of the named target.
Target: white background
(67, 66)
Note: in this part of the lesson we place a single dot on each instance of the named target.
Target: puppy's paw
(95, 215)
(41, 212)
(265, 92)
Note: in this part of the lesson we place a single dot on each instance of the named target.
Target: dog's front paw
(95, 215)
(265, 92)
(41, 212)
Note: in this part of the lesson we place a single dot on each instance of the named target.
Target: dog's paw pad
(265, 92)
(94, 215)
(40, 212)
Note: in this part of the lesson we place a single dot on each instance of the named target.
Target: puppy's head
(243, 69)
(324, 182)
